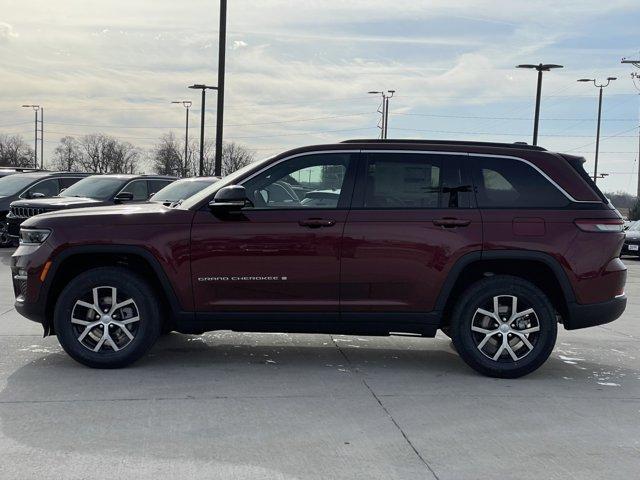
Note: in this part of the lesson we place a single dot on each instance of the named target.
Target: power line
(511, 118)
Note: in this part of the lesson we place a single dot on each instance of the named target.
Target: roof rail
(515, 145)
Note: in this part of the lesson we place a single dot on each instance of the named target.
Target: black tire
(147, 328)
(466, 341)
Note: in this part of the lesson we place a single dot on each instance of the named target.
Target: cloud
(237, 44)
(6, 32)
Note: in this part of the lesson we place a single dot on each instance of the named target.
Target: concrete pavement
(256, 406)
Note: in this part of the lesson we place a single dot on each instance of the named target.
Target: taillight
(600, 225)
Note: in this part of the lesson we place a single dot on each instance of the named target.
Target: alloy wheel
(503, 333)
(105, 319)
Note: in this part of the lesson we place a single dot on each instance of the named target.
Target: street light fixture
(204, 88)
(541, 67)
(600, 86)
(385, 110)
(187, 105)
(36, 109)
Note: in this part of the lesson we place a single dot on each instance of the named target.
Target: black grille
(26, 212)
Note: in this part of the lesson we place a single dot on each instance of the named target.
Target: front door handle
(448, 222)
(316, 223)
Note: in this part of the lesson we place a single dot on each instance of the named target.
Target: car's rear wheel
(504, 327)
(107, 317)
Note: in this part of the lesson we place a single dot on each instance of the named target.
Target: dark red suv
(494, 244)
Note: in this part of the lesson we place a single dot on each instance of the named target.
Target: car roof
(124, 176)
(195, 179)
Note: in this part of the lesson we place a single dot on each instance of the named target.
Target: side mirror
(230, 197)
(62, 190)
(150, 196)
(37, 195)
(123, 197)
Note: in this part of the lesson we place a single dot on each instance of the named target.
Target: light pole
(600, 87)
(204, 88)
(36, 109)
(541, 67)
(384, 127)
(187, 105)
(222, 48)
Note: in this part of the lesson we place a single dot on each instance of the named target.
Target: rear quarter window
(510, 183)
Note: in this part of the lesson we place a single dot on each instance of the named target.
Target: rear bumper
(583, 316)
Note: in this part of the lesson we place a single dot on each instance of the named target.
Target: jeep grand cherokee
(495, 244)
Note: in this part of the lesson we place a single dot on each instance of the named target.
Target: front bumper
(583, 316)
(13, 225)
(630, 249)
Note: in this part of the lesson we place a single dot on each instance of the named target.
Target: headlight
(33, 236)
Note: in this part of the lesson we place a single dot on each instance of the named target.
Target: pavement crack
(385, 410)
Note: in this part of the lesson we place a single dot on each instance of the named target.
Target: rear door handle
(317, 223)
(451, 222)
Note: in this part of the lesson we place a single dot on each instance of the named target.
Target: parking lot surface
(277, 406)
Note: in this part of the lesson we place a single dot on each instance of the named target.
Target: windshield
(181, 190)
(99, 188)
(227, 180)
(635, 226)
(12, 184)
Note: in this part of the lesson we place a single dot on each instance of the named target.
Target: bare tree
(14, 152)
(168, 157)
(234, 157)
(104, 154)
(67, 156)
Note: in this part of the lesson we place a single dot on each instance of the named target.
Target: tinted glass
(139, 190)
(402, 181)
(180, 190)
(457, 190)
(508, 183)
(12, 184)
(99, 188)
(313, 181)
(66, 182)
(46, 188)
(157, 185)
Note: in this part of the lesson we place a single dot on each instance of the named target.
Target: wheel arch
(75, 260)
(542, 269)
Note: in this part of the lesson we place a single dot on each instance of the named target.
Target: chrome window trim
(410, 151)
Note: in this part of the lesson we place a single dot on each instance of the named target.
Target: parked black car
(632, 240)
(93, 191)
(32, 185)
(182, 189)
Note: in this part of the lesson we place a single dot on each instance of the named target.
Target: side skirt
(379, 324)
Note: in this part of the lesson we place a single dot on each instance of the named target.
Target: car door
(282, 253)
(412, 218)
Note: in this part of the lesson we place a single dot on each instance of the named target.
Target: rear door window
(511, 183)
(402, 181)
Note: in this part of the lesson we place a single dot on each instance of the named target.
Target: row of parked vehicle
(28, 192)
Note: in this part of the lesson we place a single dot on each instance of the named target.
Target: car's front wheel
(107, 317)
(504, 326)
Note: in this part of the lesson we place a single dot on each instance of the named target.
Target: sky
(298, 72)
